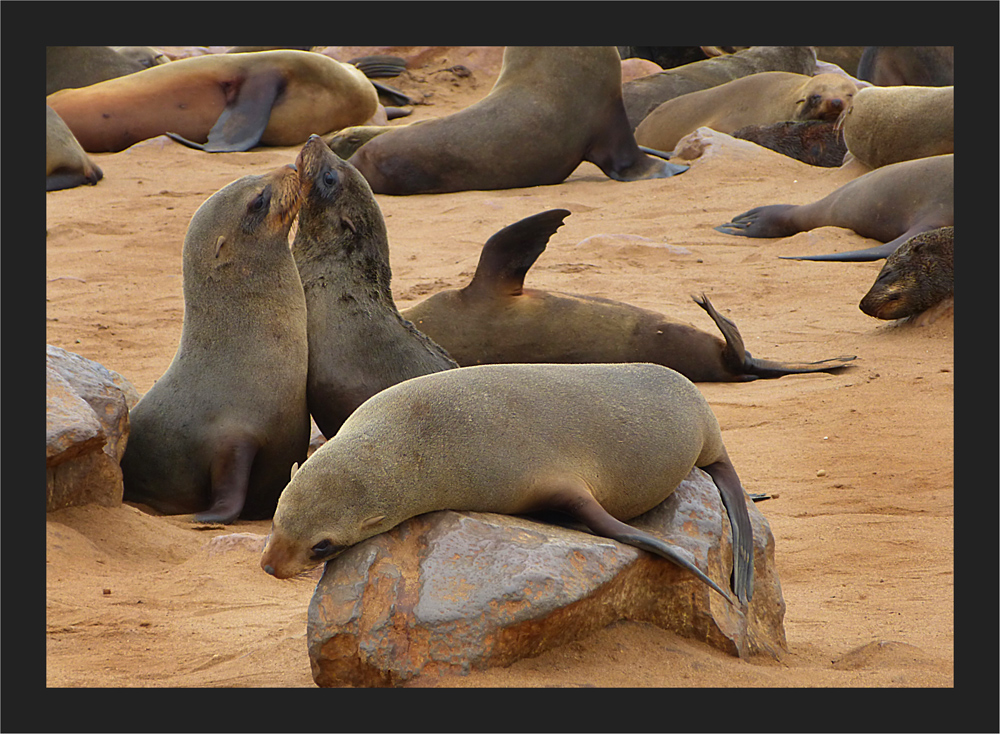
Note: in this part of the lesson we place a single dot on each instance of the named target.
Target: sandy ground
(860, 463)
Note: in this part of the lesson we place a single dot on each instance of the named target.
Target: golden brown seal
(66, 163)
(218, 433)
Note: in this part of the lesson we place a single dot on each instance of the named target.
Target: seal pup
(889, 204)
(218, 433)
(642, 96)
(916, 277)
(887, 125)
(816, 142)
(604, 443)
(66, 163)
(359, 343)
(220, 102)
(550, 109)
(495, 319)
(758, 99)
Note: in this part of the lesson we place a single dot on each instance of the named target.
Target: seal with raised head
(66, 163)
(887, 125)
(758, 99)
(889, 204)
(359, 343)
(221, 102)
(495, 319)
(642, 96)
(218, 433)
(550, 109)
(604, 443)
(916, 277)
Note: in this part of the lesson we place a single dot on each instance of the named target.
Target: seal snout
(268, 569)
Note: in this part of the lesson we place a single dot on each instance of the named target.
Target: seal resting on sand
(916, 277)
(218, 433)
(551, 108)
(495, 319)
(603, 443)
(889, 204)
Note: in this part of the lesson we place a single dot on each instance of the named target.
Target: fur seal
(604, 443)
(887, 125)
(218, 433)
(927, 66)
(70, 67)
(550, 109)
(642, 96)
(495, 319)
(145, 56)
(757, 99)
(816, 142)
(221, 102)
(346, 142)
(358, 342)
(889, 204)
(66, 163)
(916, 277)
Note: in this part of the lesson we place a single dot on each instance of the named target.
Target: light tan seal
(550, 109)
(66, 163)
(604, 443)
(218, 433)
(758, 99)
(359, 343)
(886, 125)
(495, 319)
(221, 102)
(916, 277)
(889, 204)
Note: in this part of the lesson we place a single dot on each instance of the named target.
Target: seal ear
(295, 468)
(349, 224)
(372, 521)
(218, 245)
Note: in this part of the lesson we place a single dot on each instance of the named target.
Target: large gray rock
(449, 592)
(86, 430)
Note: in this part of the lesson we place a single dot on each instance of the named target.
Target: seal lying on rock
(494, 319)
(358, 342)
(889, 204)
(218, 433)
(816, 142)
(916, 277)
(604, 443)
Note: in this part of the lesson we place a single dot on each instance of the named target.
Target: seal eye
(329, 178)
(325, 549)
(258, 203)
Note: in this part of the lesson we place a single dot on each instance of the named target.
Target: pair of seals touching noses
(212, 432)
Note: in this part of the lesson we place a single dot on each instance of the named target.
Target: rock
(449, 592)
(86, 430)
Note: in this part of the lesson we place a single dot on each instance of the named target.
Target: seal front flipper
(573, 498)
(739, 361)
(761, 221)
(509, 254)
(230, 471)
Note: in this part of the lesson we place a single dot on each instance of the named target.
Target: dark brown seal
(495, 319)
(220, 102)
(66, 163)
(601, 442)
(358, 342)
(642, 96)
(550, 109)
(816, 142)
(916, 277)
(889, 204)
(71, 67)
(218, 433)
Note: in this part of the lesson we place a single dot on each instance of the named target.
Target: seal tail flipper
(230, 471)
(731, 490)
(740, 362)
(509, 254)
(857, 256)
(579, 503)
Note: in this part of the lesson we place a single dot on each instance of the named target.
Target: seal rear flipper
(578, 502)
(509, 254)
(731, 490)
(858, 256)
(739, 361)
(230, 472)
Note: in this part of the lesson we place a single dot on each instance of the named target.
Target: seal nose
(268, 570)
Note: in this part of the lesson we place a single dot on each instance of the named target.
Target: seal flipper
(617, 154)
(739, 361)
(731, 490)
(509, 254)
(230, 471)
(761, 221)
(575, 500)
(245, 116)
(859, 256)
